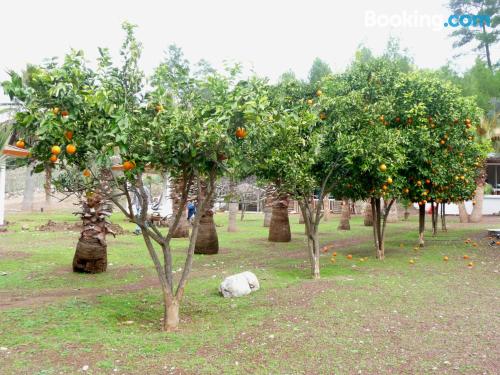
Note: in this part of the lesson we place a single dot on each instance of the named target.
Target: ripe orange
(389, 180)
(53, 158)
(159, 108)
(241, 133)
(467, 121)
(55, 110)
(68, 134)
(20, 143)
(349, 256)
(406, 190)
(445, 258)
(382, 167)
(470, 265)
(64, 113)
(71, 149)
(319, 93)
(466, 256)
(86, 172)
(384, 187)
(412, 261)
(427, 181)
(419, 183)
(128, 165)
(334, 254)
(442, 141)
(310, 101)
(55, 150)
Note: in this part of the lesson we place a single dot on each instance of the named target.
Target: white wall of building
(491, 206)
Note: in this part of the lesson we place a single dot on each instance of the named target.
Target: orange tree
(54, 122)
(284, 149)
(370, 155)
(443, 158)
(115, 121)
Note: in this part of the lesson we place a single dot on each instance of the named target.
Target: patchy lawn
(366, 317)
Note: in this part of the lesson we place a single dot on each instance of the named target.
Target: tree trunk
(477, 209)
(29, 189)
(487, 50)
(326, 209)
(407, 212)
(268, 206)
(393, 214)
(345, 215)
(207, 241)
(279, 229)
(182, 230)
(462, 212)
(443, 217)
(379, 224)
(313, 244)
(421, 224)
(48, 185)
(171, 314)
(368, 216)
(301, 217)
(435, 215)
(233, 207)
(91, 250)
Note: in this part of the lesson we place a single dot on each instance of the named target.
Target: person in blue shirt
(191, 211)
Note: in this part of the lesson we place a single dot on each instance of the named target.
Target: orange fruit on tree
(310, 101)
(241, 133)
(319, 93)
(55, 150)
(419, 183)
(68, 134)
(128, 165)
(64, 113)
(55, 110)
(53, 158)
(382, 167)
(159, 108)
(467, 121)
(389, 180)
(20, 143)
(322, 115)
(71, 149)
(86, 172)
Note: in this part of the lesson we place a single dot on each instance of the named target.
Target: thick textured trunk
(171, 314)
(182, 230)
(91, 256)
(91, 250)
(207, 241)
(326, 209)
(233, 208)
(47, 185)
(477, 210)
(29, 189)
(462, 212)
(268, 206)
(345, 215)
(367, 214)
(421, 224)
(279, 229)
(3, 170)
(443, 217)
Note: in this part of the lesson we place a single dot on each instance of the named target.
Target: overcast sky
(272, 36)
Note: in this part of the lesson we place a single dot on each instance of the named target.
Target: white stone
(85, 368)
(239, 285)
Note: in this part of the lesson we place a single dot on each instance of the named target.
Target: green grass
(373, 316)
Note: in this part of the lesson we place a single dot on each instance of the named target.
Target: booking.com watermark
(419, 20)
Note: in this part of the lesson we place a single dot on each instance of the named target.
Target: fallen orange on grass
(349, 256)
(445, 258)
(466, 256)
